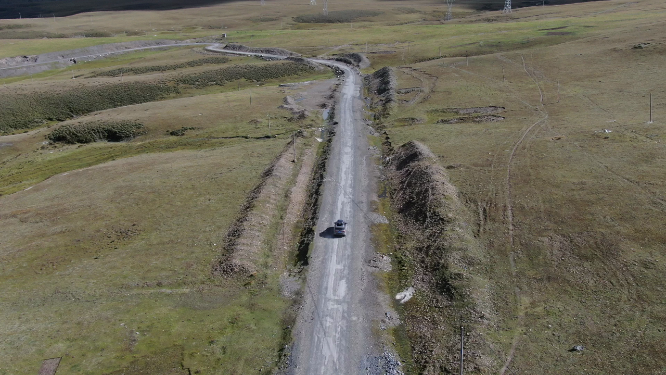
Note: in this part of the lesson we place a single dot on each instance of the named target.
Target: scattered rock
(577, 348)
(405, 295)
(381, 262)
(386, 363)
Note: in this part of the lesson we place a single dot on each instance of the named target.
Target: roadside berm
(437, 254)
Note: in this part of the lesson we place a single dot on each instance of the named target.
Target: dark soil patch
(477, 119)
(559, 33)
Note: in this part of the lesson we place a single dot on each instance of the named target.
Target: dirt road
(333, 334)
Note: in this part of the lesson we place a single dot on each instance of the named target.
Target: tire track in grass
(510, 221)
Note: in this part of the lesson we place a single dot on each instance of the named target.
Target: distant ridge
(10, 9)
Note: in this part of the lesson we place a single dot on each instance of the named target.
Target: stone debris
(405, 295)
(385, 364)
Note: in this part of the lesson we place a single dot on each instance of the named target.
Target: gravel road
(333, 333)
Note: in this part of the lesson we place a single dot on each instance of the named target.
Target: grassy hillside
(562, 174)
(539, 117)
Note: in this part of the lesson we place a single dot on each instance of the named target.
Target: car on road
(340, 228)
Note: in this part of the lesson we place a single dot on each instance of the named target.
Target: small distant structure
(507, 6)
(449, 13)
(224, 35)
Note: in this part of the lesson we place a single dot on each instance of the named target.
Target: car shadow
(327, 233)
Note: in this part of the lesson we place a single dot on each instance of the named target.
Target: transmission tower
(507, 6)
(313, 2)
(449, 14)
(326, 7)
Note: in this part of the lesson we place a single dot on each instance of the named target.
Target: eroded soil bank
(436, 252)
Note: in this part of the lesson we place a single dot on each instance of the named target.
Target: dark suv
(340, 228)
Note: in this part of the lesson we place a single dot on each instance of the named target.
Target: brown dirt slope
(437, 241)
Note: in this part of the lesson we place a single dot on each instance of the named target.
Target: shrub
(180, 132)
(338, 16)
(88, 132)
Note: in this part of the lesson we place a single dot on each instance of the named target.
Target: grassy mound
(161, 68)
(25, 111)
(88, 132)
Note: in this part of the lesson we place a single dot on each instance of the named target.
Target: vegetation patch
(248, 72)
(161, 68)
(26, 111)
(180, 132)
(338, 16)
(88, 132)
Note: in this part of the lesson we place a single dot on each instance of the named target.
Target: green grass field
(107, 250)
(579, 165)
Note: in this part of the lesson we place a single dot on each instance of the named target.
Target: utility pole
(293, 142)
(269, 125)
(507, 6)
(650, 109)
(326, 7)
(462, 348)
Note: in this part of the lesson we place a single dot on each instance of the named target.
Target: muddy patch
(469, 111)
(474, 119)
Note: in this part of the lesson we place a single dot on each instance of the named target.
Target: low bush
(88, 132)
(180, 132)
(161, 68)
(338, 16)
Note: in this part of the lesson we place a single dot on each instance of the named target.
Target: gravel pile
(385, 364)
